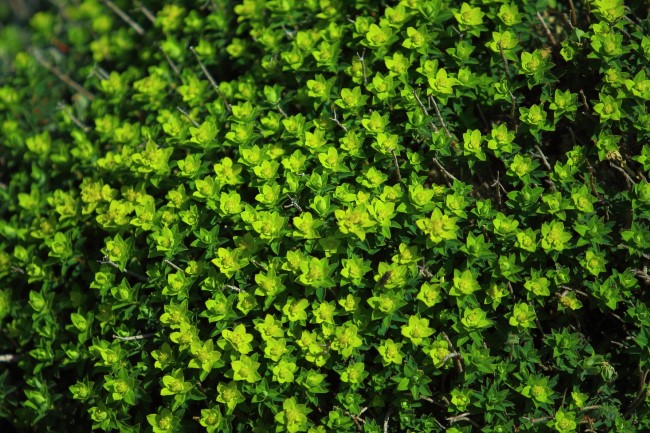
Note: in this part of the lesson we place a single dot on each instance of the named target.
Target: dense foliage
(325, 216)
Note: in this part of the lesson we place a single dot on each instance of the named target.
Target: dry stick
(443, 170)
(99, 72)
(387, 418)
(462, 417)
(628, 179)
(184, 113)
(235, 288)
(281, 111)
(500, 188)
(584, 100)
(171, 63)
(573, 14)
(211, 79)
(505, 61)
(459, 365)
(147, 13)
(169, 262)
(106, 261)
(549, 35)
(442, 122)
(135, 26)
(336, 120)
(424, 110)
(399, 175)
(643, 274)
(641, 395)
(512, 109)
(567, 22)
(9, 357)
(293, 203)
(61, 106)
(133, 337)
(259, 265)
(546, 164)
(592, 178)
(537, 420)
(363, 64)
(61, 76)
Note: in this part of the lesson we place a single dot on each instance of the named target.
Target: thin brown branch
(147, 13)
(61, 106)
(9, 358)
(574, 21)
(171, 63)
(505, 61)
(127, 19)
(399, 175)
(107, 261)
(424, 110)
(188, 117)
(628, 178)
(133, 337)
(212, 81)
(363, 64)
(443, 170)
(170, 263)
(458, 357)
(549, 35)
(442, 121)
(61, 76)
(335, 119)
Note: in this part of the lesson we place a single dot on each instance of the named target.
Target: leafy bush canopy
(325, 215)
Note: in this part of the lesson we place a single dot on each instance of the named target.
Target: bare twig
(169, 262)
(363, 64)
(171, 63)
(135, 26)
(643, 273)
(641, 394)
(424, 110)
(107, 261)
(133, 337)
(99, 72)
(547, 165)
(387, 419)
(212, 81)
(442, 122)
(573, 14)
(147, 13)
(259, 265)
(505, 61)
(537, 420)
(500, 188)
(628, 178)
(584, 100)
(186, 114)
(335, 119)
(549, 35)
(458, 357)
(61, 106)
(293, 203)
(61, 76)
(9, 358)
(399, 175)
(568, 22)
(235, 288)
(462, 417)
(284, 114)
(443, 170)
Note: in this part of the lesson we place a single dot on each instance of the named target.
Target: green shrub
(325, 215)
